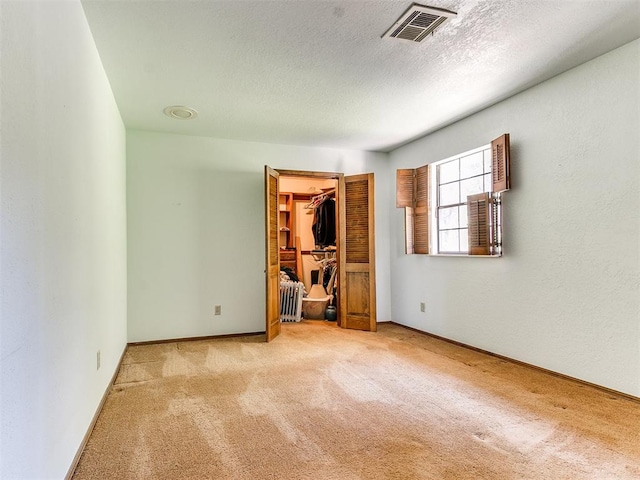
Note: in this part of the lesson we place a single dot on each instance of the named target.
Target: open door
(272, 253)
(357, 253)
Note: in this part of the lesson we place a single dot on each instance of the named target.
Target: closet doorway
(354, 241)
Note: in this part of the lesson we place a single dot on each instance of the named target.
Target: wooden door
(357, 253)
(272, 262)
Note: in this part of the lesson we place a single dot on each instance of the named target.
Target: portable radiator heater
(291, 294)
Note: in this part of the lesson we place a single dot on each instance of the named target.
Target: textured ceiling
(317, 73)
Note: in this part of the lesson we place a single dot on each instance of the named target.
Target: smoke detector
(417, 22)
(180, 112)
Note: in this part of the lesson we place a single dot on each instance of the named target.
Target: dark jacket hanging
(324, 225)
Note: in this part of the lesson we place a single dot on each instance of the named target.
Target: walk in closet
(319, 229)
(307, 223)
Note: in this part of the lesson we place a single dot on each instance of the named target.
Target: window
(465, 193)
(455, 179)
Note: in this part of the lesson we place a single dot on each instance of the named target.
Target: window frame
(434, 198)
(418, 192)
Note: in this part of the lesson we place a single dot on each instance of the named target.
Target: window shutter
(421, 214)
(409, 228)
(412, 193)
(405, 187)
(479, 214)
(501, 163)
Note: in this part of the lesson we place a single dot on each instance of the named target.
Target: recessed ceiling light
(180, 112)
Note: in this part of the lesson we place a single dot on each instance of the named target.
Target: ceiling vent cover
(418, 22)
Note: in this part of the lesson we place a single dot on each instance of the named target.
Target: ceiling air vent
(418, 22)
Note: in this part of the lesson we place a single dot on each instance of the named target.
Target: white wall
(63, 237)
(568, 286)
(195, 215)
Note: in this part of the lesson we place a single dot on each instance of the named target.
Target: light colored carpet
(324, 403)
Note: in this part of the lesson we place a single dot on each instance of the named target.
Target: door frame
(340, 237)
(325, 176)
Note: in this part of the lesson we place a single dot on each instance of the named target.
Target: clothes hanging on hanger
(329, 269)
(316, 200)
(324, 223)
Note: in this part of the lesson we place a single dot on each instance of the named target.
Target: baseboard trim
(194, 339)
(611, 391)
(85, 439)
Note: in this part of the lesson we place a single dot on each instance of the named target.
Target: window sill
(463, 255)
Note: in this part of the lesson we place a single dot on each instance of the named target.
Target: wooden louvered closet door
(272, 254)
(357, 253)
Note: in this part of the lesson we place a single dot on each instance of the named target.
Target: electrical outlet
(98, 360)
(422, 307)
(217, 310)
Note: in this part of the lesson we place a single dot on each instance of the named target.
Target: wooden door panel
(358, 293)
(358, 323)
(272, 254)
(357, 254)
